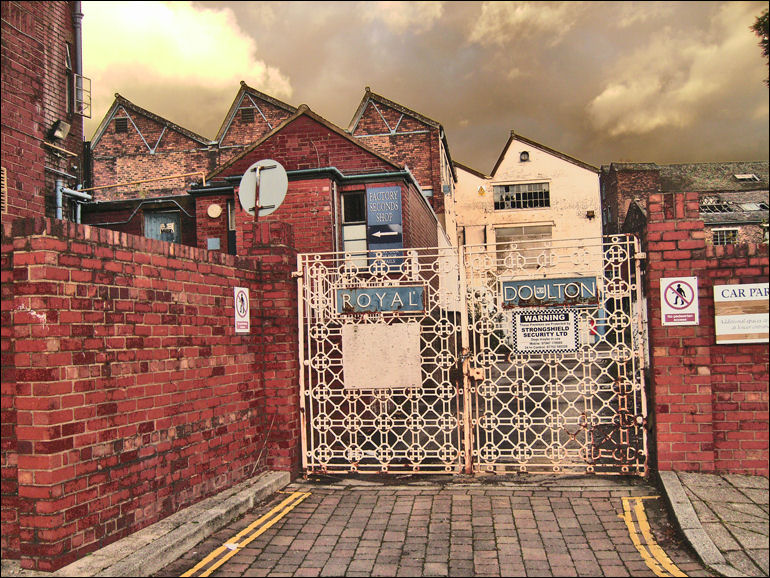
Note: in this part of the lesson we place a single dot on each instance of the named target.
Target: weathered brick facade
(323, 162)
(126, 392)
(408, 138)
(133, 144)
(710, 401)
(35, 94)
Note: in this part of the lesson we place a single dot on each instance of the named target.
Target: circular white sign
(214, 211)
(264, 184)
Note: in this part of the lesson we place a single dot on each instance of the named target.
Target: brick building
(733, 195)
(329, 202)
(709, 394)
(413, 140)
(44, 99)
(133, 144)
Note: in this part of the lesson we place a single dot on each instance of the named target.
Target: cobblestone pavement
(733, 510)
(538, 526)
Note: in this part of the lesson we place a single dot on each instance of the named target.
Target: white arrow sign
(381, 234)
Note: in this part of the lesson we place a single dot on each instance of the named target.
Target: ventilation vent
(4, 190)
(121, 124)
(247, 115)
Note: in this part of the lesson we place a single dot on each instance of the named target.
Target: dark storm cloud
(653, 82)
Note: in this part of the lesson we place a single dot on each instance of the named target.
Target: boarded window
(163, 226)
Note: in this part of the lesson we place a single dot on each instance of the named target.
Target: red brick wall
(710, 401)
(623, 186)
(125, 158)
(212, 227)
(419, 224)
(415, 144)
(241, 133)
(126, 393)
(33, 98)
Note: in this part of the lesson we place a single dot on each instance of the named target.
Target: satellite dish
(268, 178)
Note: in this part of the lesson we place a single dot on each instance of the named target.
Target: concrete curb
(149, 550)
(690, 526)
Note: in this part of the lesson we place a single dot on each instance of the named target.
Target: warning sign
(545, 331)
(679, 301)
(242, 317)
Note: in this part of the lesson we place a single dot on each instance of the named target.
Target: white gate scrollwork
(554, 381)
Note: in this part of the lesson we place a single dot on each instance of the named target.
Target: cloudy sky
(666, 82)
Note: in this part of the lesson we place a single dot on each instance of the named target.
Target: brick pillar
(680, 355)
(274, 323)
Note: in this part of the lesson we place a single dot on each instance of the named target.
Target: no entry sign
(679, 301)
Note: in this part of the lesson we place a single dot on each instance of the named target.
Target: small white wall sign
(679, 301)
(242, 317)
(741, 313)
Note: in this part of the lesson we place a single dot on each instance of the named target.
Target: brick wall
(414, 144)
(710, 401)
(623, 185)
(127, 157)
(126, 393)
(34, 96)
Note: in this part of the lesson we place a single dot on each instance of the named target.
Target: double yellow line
(246, 536)
(653, 555)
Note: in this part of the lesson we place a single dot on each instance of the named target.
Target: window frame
(353, 225)
(723, 230)
(518, 196)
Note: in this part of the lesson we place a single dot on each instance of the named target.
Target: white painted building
(539, 192)
(536, 200)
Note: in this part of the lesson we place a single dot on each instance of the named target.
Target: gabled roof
(242, 92)
(467, 169)
(703, 177)
(122, 102)
(303, 110)
(370, 96)
(543, 148)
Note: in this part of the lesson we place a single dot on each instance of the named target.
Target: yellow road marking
(653, 555)
(231, 547)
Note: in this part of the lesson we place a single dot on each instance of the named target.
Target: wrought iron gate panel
(521, 406)
(347, 426)
(541, 404)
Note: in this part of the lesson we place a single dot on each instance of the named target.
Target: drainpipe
(59, 201)
(77, 18)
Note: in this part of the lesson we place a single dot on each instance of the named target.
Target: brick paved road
(515, 526)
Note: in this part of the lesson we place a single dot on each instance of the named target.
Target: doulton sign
(575, 291)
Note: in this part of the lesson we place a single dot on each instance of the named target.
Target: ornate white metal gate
(553, 380)
(379, 343)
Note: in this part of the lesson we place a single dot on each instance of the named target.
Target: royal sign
(381, 300)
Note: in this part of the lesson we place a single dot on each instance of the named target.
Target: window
(163, 226)
(725, 236)
(247, 115)
(121, 124)
(528, 246)
(69, 93)
(527, 196)
(715, 205)
(354, 227)
(747, 177)
(231, 233)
